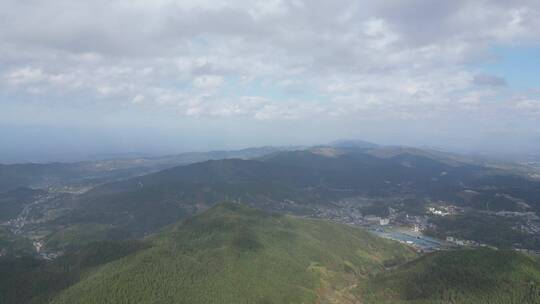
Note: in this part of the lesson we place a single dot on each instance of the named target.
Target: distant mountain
(91, 173)
(301, 182)
(149, 202)
(360, 169)
(357, 144)
(290, 181)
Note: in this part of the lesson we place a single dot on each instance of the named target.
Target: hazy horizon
(165, 77)
(119, 148)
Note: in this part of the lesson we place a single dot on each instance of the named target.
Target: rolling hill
(228, 254)
(233, 254)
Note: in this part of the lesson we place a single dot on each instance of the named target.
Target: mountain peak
(235, 254)
(353, 143)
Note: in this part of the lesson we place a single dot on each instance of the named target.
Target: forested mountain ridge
(333, 182)
(95, 172)
(234, 254)
(306, 178)
(228, 254)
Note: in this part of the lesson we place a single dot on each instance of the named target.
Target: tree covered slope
(29, 280)
(233, 254)
(465, 276)
(13, 245)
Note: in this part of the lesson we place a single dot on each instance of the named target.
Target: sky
(86, 78)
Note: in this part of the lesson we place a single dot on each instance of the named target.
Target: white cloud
(208, 82)
(25, 75)
(266, 60)
(530, 106)
(138, 99)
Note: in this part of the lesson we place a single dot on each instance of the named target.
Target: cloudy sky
(79, 78)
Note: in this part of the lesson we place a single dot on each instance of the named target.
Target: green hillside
(79, 235)
(309, 178)
(465, 277)
(233, 254)
(12, 203)
(13, 245)
(29, 280)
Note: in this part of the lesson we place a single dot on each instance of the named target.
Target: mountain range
(266, 225)
(295, 182)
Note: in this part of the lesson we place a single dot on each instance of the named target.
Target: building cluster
(469, 243)
(443, 209)
(350, 214)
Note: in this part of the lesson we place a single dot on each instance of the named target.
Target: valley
(411, 193)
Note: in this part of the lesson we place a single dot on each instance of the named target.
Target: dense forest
(234, 254)
(229, 254)
(29, 280)
(480, 276)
